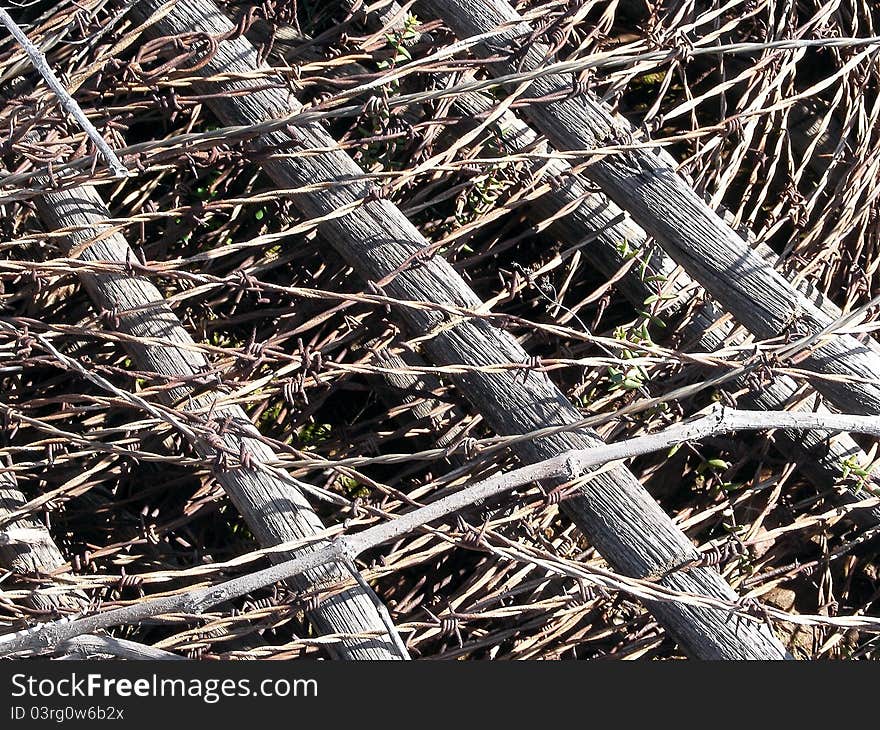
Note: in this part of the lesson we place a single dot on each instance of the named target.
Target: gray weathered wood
(276, 511)
(821, 456)
(38, 555)
(621, 519)
(667, 208)
(594, 217)
(90, 646)
(415, 389)
(568, 464)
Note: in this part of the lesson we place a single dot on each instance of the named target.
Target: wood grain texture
(667, 208)
(275, 510)
(38, 556)
(415, 389)
(592, 217)
(92, 646)
(595, 218)
(619, 516)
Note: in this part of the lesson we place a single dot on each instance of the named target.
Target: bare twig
(88, 646)
(347, 547)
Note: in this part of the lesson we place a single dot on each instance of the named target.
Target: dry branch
(38, 59)
(653, 588)
(88, 646)
(613, 509)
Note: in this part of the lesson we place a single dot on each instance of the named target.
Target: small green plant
(850, 468)
(353, 488)
(481, 197)
(625, 250)
(398, 42)
(207, 190)
(382, 154)
(635, 377)
(313, 434)
(630, 379)
(709, 473)
(270, 416)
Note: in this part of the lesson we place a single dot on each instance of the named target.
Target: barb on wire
(65, 99)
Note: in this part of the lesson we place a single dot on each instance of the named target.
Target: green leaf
(718, 463)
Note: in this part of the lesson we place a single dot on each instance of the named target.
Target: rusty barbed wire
(279, 320)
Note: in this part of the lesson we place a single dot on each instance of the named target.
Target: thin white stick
(88, 646)
(67, 102)
(569, 464)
